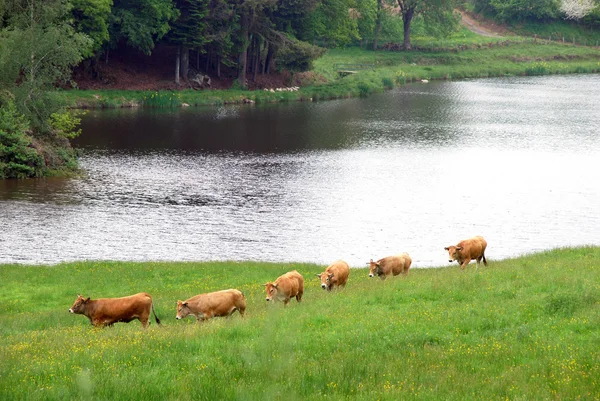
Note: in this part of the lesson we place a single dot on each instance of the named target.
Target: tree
(188, 31)
(91, 17)
(140, 23)
(440, 10)
(576, 9)
(39, 49)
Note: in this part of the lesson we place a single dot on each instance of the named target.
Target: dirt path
(473, 25)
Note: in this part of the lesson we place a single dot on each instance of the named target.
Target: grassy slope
(525, 329)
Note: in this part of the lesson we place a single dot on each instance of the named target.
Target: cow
(108, 311)
(390, 265)
(467, 250)
(287, 286)
(212, 304)
(336, 275)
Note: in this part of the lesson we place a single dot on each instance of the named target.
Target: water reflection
(416, 169)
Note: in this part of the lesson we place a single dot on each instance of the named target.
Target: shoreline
(392, 69)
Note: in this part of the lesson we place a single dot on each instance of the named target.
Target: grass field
(520, 329)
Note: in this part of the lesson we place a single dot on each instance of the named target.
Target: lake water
(516, 160)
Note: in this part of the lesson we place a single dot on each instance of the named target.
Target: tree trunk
(269, 59)
(378, 23)
(218, 66)
(177, 62)
(198, 59)
(185, 61)
(207, 65)
(407, 19)
(243, 56)
(257, 43)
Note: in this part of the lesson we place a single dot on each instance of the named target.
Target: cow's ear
(274, 285)
(87, 300)
(378, 264)
(459, 248)
(184, 303)
(446, 248)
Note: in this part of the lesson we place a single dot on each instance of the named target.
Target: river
(516, 160)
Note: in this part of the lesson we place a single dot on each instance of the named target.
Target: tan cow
(212, 304)
(390, 265)
(108, 311)
(287, 286)
(335, 275)
(467, 250)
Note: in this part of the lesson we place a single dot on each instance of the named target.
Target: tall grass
(525, 328)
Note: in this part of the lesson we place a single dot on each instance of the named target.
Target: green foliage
(518, 10)
(190, 29)
(39, 50)
(295, 55)
(17, 158)
(140, 23)
(332, 23)
(523, 328)
(65, 124)
(538, 68)
(91, 17)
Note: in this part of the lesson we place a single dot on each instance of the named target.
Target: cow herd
(108, 311)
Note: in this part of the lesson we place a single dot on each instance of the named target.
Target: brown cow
(335, 275)
(212, 304)
(467, 250)
(287, 286)
(390, 265)
(108, 311)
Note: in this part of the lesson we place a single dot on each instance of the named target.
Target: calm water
(516, 160)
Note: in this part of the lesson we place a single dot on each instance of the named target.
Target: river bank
(523, 327)
(448, 61)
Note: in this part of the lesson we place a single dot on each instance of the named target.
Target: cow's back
(472, 248)
(340, 271)
(396, 264)
(216, 303)
(290, 283)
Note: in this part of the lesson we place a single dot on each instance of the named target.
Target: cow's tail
(155, 317)
(484, 261)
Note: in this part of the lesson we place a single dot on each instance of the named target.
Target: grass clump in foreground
(524, 328)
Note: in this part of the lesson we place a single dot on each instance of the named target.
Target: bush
(297, 56)
(18, 157)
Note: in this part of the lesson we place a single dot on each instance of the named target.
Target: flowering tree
(576, 9)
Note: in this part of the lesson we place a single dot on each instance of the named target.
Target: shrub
(18, 158)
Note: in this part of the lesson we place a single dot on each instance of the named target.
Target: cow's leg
(144, 322)
(464, 264)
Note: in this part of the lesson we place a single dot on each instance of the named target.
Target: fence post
(573, 40)
(535, 38)
(563, 39)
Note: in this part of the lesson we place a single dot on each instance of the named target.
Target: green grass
(520, 329)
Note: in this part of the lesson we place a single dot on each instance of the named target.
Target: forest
(46, 44)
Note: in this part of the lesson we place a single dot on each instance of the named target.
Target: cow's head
(453, 252)
(182, 310)
(271, 289)
(79, 305)
(374, 268)
(326, 280)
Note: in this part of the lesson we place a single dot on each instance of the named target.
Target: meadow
(519, 329)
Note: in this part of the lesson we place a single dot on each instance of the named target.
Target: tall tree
(188, 31)
(91, 17)
(140, 23)
(431, 9)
